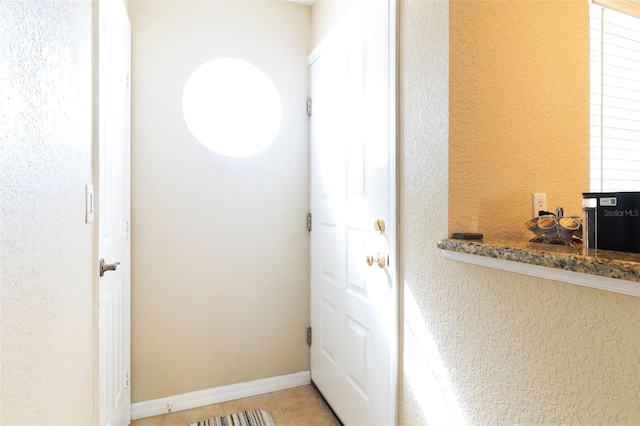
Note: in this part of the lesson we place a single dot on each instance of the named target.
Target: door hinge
(309, 220)
(127, 83)
(309, 336)
(127, 378)
(309, 106)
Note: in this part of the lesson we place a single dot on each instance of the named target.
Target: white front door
(114, 214)
(353, 278)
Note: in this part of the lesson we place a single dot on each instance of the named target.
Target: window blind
(615, 100)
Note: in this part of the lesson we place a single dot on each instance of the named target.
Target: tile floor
(302, 406)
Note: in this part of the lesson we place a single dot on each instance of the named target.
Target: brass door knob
(379, 225)
(379, 260)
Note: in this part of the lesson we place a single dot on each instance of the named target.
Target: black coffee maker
(611, 221)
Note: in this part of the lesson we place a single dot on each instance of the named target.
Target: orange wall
(519, 111)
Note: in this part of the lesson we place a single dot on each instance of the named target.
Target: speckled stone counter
(624, 266)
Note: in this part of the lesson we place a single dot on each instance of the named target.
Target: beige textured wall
(519, 106)
(46, 254)
(483, 346)
(220, 249)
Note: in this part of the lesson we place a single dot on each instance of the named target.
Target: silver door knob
(107, 266)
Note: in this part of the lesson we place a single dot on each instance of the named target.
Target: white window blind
(615, 101)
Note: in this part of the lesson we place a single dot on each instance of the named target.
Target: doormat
(246, 418)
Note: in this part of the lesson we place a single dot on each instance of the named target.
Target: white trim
(303, 2)
(614, 285)
(394, 339)
(186, 401)
(630, 7)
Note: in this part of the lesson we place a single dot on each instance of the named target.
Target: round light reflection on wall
(232, 107)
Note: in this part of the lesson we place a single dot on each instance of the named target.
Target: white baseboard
(186, 401)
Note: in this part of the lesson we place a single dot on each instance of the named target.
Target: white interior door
(353, 284)
(114, 213)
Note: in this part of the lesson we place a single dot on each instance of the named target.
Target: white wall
(220, 250)
(46, 255)
(324, 14)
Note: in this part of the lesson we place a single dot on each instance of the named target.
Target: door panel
(113, 214)
(353, 296)
(356, 272)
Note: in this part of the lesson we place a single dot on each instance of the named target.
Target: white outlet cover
(539, 202)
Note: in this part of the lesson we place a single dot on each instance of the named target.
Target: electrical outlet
(539, 203)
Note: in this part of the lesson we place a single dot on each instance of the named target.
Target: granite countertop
(624, 266)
